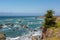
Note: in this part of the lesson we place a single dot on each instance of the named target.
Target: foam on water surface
(17, 28)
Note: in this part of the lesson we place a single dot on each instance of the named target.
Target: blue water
(33, 23)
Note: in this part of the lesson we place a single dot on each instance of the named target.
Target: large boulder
(2, 36)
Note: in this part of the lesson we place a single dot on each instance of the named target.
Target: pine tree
(50, 19)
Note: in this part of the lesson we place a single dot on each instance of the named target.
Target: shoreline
(53, 33)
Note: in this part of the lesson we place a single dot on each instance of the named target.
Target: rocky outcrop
(52, 34)
(49, 33)
(2, 36)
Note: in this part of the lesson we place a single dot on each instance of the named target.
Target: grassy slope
(56, 32)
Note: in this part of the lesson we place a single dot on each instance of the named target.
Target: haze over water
(28, 7)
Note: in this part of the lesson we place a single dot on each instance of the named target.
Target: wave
(26, 37)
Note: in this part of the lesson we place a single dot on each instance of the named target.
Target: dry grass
(56, 32)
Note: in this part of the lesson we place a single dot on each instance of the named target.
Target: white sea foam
(8, 19)
(8, 38)
(19, 38)
(17, 22)
(4, 26)
(25, 37)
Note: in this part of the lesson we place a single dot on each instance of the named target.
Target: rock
(2, 36)
(25, 26)
(58, 34)
(12, 24)
(21, 25)
(20, 21)
(49, 33)
(1, 26)
(35, 30)
(7, 24)
(34, 38)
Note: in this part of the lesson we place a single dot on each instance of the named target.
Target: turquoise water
(14, 26)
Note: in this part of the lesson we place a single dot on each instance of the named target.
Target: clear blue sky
(28, 7)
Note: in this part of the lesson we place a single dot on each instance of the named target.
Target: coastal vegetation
(51, 29)
(50, 19)
(53, 33)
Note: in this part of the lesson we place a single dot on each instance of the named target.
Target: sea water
(19, 28)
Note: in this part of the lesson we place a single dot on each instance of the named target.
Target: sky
(28, 7)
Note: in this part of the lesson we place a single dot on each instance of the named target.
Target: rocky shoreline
(49, 34)
(2, 36)
(52, 33)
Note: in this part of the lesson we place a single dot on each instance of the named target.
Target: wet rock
(35, 30)
(22, 25)
(7, 24)
(34, 38)
(12, 24)
(1, 26)
(25, 26)
(20, 21)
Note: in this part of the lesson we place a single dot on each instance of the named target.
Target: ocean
(17, 27)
